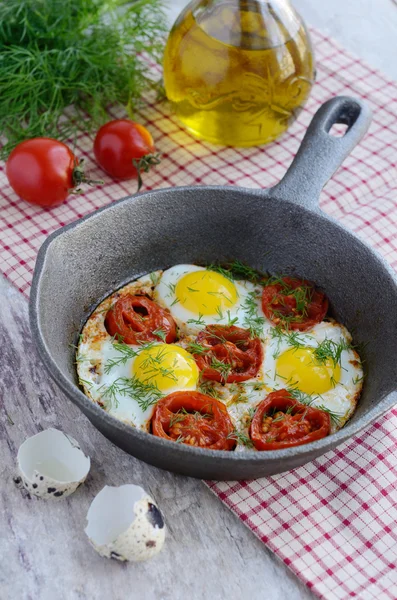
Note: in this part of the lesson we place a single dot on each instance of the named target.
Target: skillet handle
(321, 153)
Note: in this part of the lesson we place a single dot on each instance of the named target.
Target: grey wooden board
(44, 553)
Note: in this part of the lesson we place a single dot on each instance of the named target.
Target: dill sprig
(331, 350)
(199, 321)
(237, 270)
(146, 394)
(252, 320)
(221, 367)
(126, 353)
(241, 438)
(208, 389)
(312, 400)
(83, 54)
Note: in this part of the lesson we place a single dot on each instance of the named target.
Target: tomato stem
(144, 164)
(79, 177)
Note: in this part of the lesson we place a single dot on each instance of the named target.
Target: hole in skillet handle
(344, 122)
(338, 129)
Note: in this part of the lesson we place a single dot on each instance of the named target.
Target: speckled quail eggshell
(125, 523)
(52, 465)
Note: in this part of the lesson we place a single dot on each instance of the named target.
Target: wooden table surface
(208, 553)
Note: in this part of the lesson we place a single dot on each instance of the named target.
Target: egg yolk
(167, 366)
(206, 292)
(300, 368)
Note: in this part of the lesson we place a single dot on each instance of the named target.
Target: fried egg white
(197, 297)
(320, 365)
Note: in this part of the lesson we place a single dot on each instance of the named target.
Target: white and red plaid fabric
(333, 521)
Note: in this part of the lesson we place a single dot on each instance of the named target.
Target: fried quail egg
(321, 366)
(197, 297)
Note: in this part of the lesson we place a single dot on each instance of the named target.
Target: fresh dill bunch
(79, 55)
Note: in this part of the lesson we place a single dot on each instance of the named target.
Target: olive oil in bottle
(237, 71)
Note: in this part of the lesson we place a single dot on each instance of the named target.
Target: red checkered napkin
(333, 521)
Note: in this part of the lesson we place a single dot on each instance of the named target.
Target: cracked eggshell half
(125, 523)
(52, 465)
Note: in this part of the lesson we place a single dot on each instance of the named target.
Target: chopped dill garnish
(312, 400)
(160, 333)
(358, 379)
(293, 338)
(181, 415)
(155, 278)
(80, 358)
(208, 389)
(252, 320)
(230, 321)
(126, 353)
(199, 321)
(219, 313)
(237, 270)
(146, 394)
(241, 438)
(219, 269)
(220, 366)
(195, 348)
(171, 287)
(330, 350)
(84, 382)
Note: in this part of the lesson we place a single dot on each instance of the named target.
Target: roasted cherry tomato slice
(282, 422)
(228, 354)
(294, 303)
(137, 319)
(194, 419)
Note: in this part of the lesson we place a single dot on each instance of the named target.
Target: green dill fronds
(252, 320)
(208, 389)
(241, 438)
(222, 367)
(237, 270)
(62, 63)
(160, 333)
(195, 348)
(146, 394)
(330, 350)
(155, 278)
(199, 321)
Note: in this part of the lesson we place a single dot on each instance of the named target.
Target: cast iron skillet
(281, 230)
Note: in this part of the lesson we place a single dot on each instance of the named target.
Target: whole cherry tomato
(43, 171)
(124, 149)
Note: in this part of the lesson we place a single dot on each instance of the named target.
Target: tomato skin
(41, 170)
(280, 306)
(232, 346)
(213, 431)
(134, 318)
(303, 425)
(118, 143)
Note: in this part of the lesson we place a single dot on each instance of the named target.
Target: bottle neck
(250, 24)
